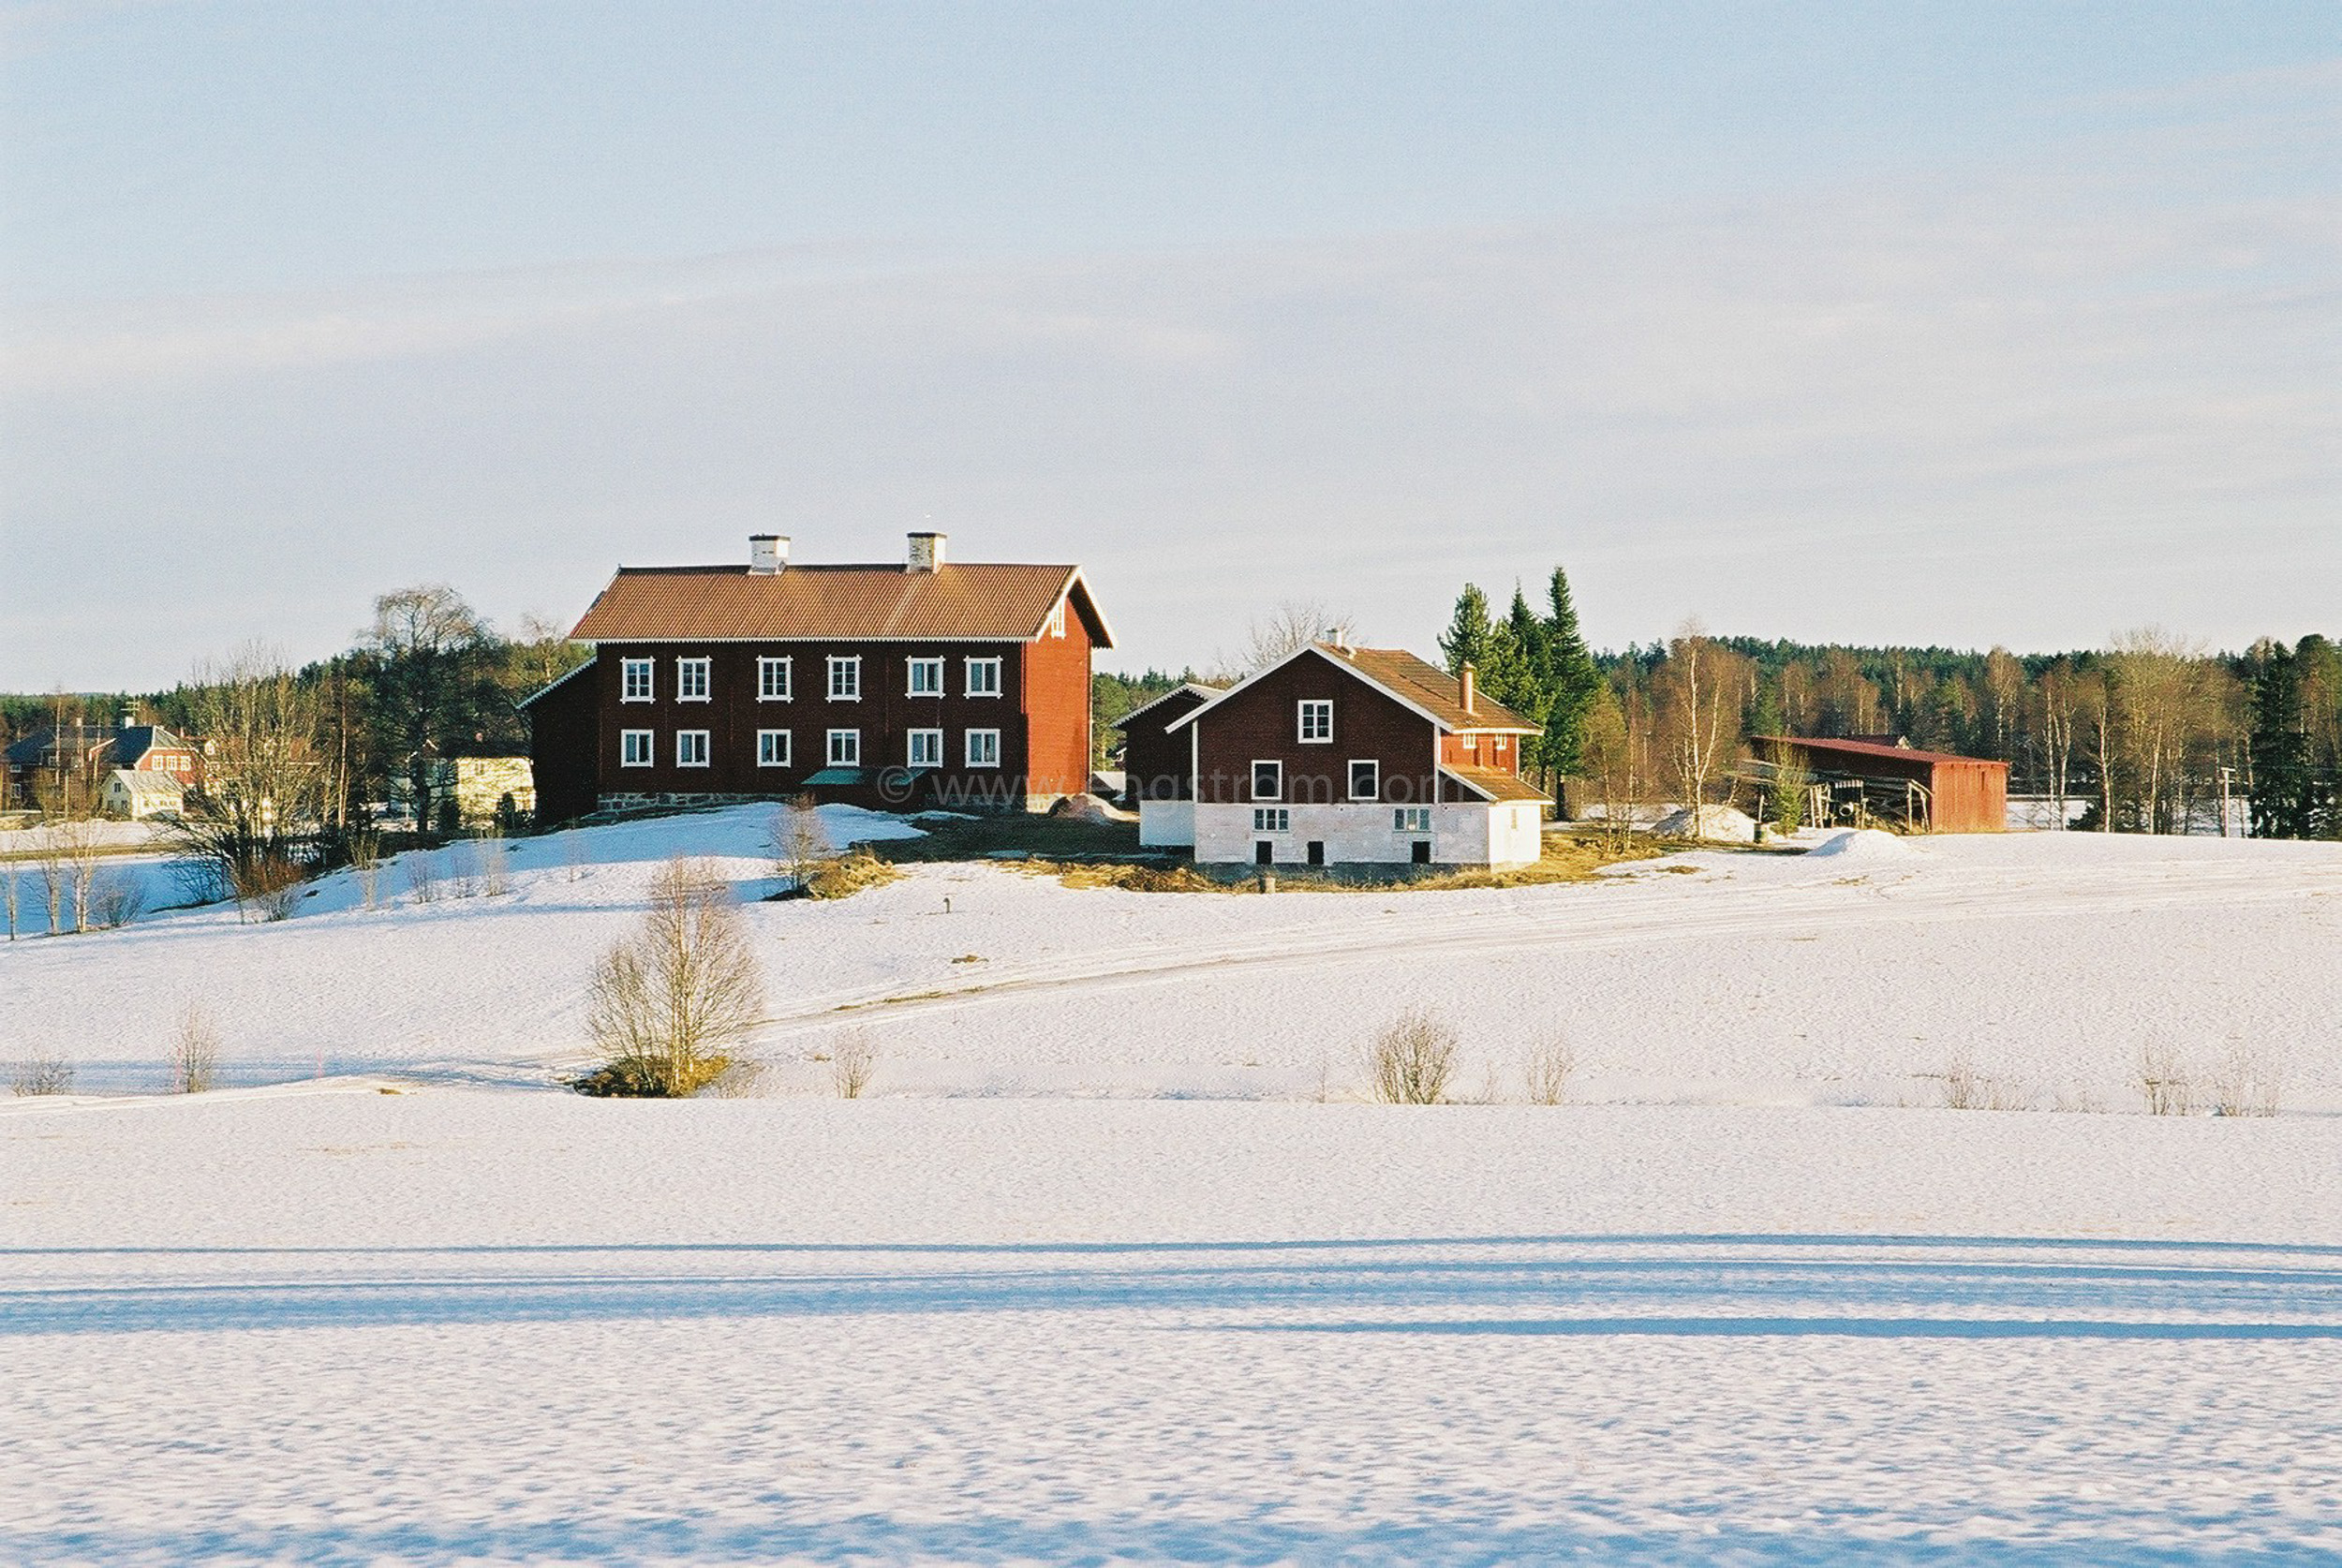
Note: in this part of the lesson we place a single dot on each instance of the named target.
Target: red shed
(1936, 790)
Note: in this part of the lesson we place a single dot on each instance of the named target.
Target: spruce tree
(1468, 636)
(1572, 680)
(2283, 803)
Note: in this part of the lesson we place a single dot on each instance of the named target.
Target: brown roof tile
(1494, 782)
(975, 602)
(1429, 688)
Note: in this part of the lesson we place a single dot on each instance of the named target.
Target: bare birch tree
(1698, 689)
(1294, 625)
(663, 1005)
(263, 779)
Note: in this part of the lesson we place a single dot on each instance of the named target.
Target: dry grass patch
(850, 874)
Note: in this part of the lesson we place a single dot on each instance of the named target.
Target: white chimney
(767, 554)
(1469, 677)
(926, 553)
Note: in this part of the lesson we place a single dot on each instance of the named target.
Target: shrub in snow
(2246, 1083)
(195, 1052)
(850, 1063)
(1545, 1072)
(1412, 1060)
(118, 901)
(2163, 1080)
(43, 1073)
(663, 1004)
(423, 876)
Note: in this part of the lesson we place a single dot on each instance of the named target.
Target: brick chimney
(1469, 678)
(926, 553)
(767, 554)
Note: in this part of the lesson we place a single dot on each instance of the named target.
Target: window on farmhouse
(1365, 778)
(926, 677)
(690, 680)
(772, 680)
(634, 684)
(845, 678)
(1317, 721)
(1268, 780)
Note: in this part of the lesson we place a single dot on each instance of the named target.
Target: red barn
(1935, 791)
(925, 684)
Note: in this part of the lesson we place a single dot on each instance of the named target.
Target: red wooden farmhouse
(1336, 757)
(925, 684)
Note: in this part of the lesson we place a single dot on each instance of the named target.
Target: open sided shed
(1936, 790)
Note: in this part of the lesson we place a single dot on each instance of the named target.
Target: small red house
(925, 684)
(1362, 758)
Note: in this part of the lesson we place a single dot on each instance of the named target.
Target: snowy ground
(2048, 962)
(1097, 1279)
(329, 1326)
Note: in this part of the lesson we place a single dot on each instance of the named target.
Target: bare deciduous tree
(1699, 688)
(799, 842)
(663, 1005)
(263, 781)
(9, 895)
(54, 870)
(1292, 626)
(79, 840)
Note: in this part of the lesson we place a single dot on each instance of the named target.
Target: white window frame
(934, 757)
(850, 667)
(685, 669)
(992, 667)
(649, 670)
(1278, 790)
(1057, 620)
(1315, 707)
(854, 743)
(910, 677)
(975, 759)
(1410, 819)
(683, 735)
(625, 744)
(1272, 819)
(767, 667)
(787, 749)
(1374, 789)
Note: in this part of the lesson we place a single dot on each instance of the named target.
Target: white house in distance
(1336, 757)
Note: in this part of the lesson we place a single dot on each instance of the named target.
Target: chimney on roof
(1337, 637)
(1468, 678)
(767, 554)
(926, 553)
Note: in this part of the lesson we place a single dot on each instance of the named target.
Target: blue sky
(1961, 323)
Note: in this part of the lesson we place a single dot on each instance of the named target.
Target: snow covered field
(1097, 1279)
(329, 1326)
(2047, 962)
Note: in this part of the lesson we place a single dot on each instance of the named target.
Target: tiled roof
(1495, 783)
(1429, 688)
(977, 602)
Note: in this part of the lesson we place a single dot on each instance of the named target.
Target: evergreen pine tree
(1468, 636)
(1572, 680)
(2283, 800)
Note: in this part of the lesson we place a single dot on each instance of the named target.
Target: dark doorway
(1317, 851)
(1264, 853)
(1423, 852)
